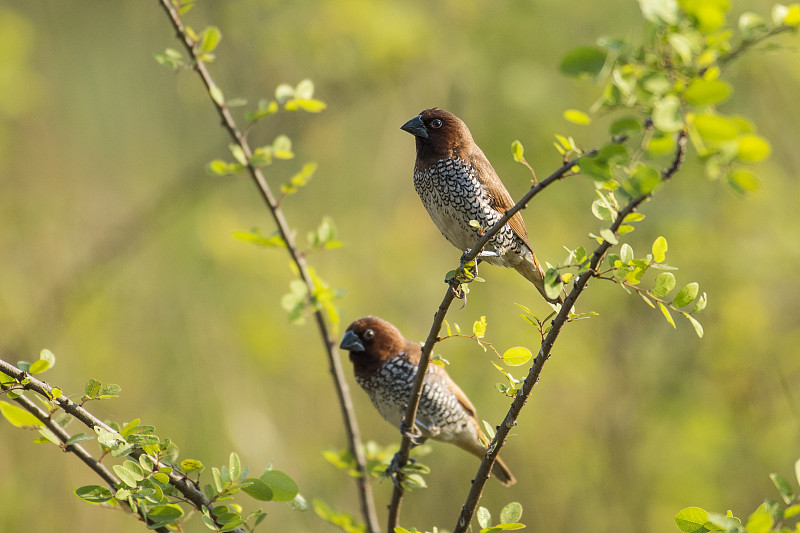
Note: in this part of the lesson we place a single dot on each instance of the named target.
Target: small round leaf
(517, 356)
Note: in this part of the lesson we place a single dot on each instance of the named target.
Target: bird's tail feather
(476, 448)
(533, 272)
(502, 473)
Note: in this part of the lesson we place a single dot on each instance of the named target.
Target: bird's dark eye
(436, 123)
(369, 334)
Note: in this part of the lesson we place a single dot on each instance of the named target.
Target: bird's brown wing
(500, 199)
(462, 398)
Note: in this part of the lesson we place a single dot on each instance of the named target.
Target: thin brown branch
(746, 44)
(342, 389)
(182, 484)
(79, 451)
(546, 348)
(401, 458)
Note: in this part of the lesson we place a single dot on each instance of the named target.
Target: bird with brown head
(385, 365)
(457, 184)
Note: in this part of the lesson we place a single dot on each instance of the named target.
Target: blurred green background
(118, 255)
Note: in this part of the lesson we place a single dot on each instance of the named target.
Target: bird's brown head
(439, 135)
(373, 341)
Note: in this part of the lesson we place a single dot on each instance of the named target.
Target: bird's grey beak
(416, 127)
(351, 342)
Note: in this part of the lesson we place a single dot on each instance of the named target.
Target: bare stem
(273, 205)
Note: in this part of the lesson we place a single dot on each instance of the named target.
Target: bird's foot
(394, 472)
(413, 434)
(468, 270)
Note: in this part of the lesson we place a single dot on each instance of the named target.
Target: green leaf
(698, 328)
(479, 328)
(146, 462)
(626, 253)
(625, 125)
(707, 92)
(164, 514)
(47, 436)
(715, 128)
(609, 236)
(518, 151)
(265, 108)
(218, 167)
(128, 476)
(216, 95)
(753, 148)
(667, 114)
(692, 520)
(109, 391)
(489, 430)
(665, 282)
(553, 284)
(659, 249)
(743, 181)
(749, 21)
(667, 315)
(282, 147)
(18, 416)
(257, 489)
(238, 154)
(93, 493)
(720, 522)
(660, 144)
(284, 489)
(760, 521)
(283, 92)
(517, 356)
(660, 11)
(129, 428)
(642, 182)
(784, 487)
(796, 467)
(304, 89)
(216, 475)
(92, 388)
(484, 517)
(255, 237)
(686, 295)
(209, 40)
(792, 16)
(45, 362)
(414, 481)
(577, 117)
(234, 466)
(582, 61)
(170, 58)
(309, 105)
(511, 513)
(646, 300)
(602, 210)
(300, 179)
(78, 437)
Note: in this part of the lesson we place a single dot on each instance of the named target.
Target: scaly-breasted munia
(457, 184)
(385, 365)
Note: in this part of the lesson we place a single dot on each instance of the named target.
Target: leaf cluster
(770, 517)
(150, 475)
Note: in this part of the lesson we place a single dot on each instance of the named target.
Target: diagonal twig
(272, 203)
(192, 494)
(411, 411)
(545, 350)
